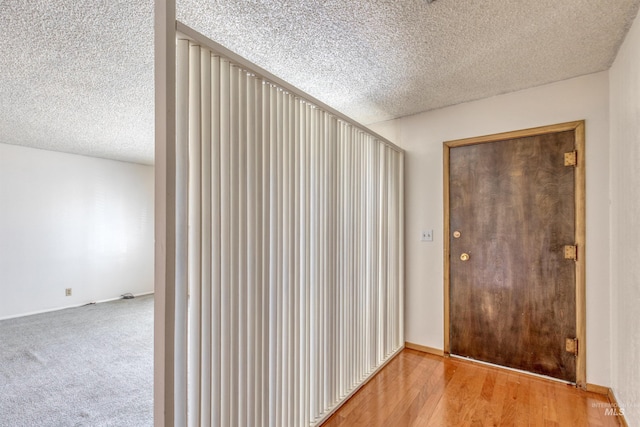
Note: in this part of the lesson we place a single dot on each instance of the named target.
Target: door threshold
(519, 371)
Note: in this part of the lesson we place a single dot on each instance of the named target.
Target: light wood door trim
(580, 206)
(447, 249)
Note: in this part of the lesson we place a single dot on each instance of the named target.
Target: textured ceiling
(77, 75)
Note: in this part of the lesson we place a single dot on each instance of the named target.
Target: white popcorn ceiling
(77, 75)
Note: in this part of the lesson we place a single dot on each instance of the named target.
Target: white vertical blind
(294, 249)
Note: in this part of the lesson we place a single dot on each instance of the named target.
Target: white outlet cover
(426, 236)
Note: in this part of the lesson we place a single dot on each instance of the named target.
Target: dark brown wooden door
(512, 211)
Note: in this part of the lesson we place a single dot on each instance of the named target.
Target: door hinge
(571, 252)
(571, 345)
(571, 158)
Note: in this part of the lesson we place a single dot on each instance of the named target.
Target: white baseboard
(49, 310)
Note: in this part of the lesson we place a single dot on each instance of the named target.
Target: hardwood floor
(419, 389)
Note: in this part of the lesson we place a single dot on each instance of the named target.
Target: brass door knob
(464, 257)
(456, 234)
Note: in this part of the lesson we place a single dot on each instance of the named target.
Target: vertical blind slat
(242, 295)
(251, 260)
(235, 274)
(182, 261)
(206, 346)
(195, 235)
(266, 325)
(225, 249)
(216, 241)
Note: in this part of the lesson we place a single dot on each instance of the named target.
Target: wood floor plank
(419, 389)
(389, 391)
(538, 407)
(471, 383)
(515, 401)
(483, 412)
(413, 398)
(447, 410)
(430, 394)
(551, 414)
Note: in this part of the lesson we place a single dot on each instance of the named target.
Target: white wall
(422, 136)
(69, 221)
(625, 223)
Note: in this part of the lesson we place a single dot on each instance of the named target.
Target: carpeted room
(76, 223)
(45, 120)
(75, 230)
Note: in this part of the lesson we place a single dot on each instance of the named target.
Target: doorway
(514, 255)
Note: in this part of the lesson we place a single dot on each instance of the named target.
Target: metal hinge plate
(571, 252)
(571, 158)
(571, 345)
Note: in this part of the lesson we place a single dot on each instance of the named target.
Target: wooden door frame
(579, 182)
